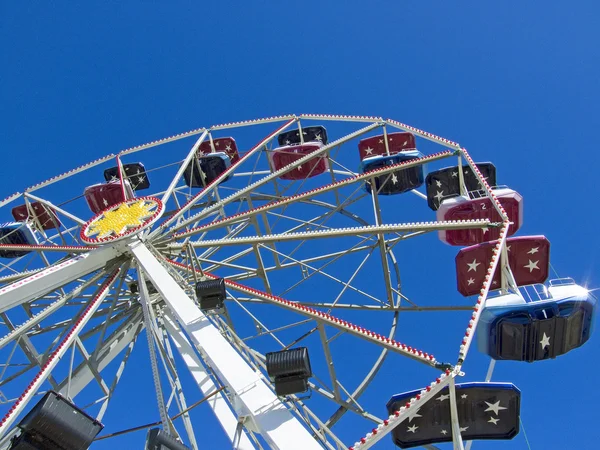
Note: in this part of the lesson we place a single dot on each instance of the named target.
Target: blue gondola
(399, 181)
(205, 169)
(485, 411)
(513, 329)
(17, 234)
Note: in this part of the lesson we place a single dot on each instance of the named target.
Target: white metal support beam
(37, 318)
(164, 345)
(148, 321)
(40, 283)
(252, 398)
(341, 232)
(55, 208)
(191, 154)
(217, 402)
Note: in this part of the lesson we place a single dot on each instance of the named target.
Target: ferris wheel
(280, 263)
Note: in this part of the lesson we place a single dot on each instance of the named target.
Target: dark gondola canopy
(485, 411)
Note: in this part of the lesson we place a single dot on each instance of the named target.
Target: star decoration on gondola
(532, 265)
(545, 342)
(447, 179)
(494, 407)
(485, 411)
(527, 270)
(473, 265)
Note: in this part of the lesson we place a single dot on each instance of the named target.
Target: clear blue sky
(514, 82)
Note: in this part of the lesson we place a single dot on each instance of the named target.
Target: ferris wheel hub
(123, 220)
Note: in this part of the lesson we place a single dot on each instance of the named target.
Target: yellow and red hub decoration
(122, 220)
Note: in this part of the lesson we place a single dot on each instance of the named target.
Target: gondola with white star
(400, 180)
(206, 169)
(134, 173)
(288, 154)
(105, 195)
(528, 258)
(485, 411)
(375, 153)
(479, 206)
(513, 329)
(225, 145)
(377, 146)
(444, 183)
(316, 133)
(38, 214)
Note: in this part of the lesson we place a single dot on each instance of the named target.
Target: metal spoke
(148, 321)
(51, 362)
(341, 232)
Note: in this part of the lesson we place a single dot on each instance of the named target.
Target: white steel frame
(181, 250)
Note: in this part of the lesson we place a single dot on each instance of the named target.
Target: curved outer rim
(128, 233)
(154, 217)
